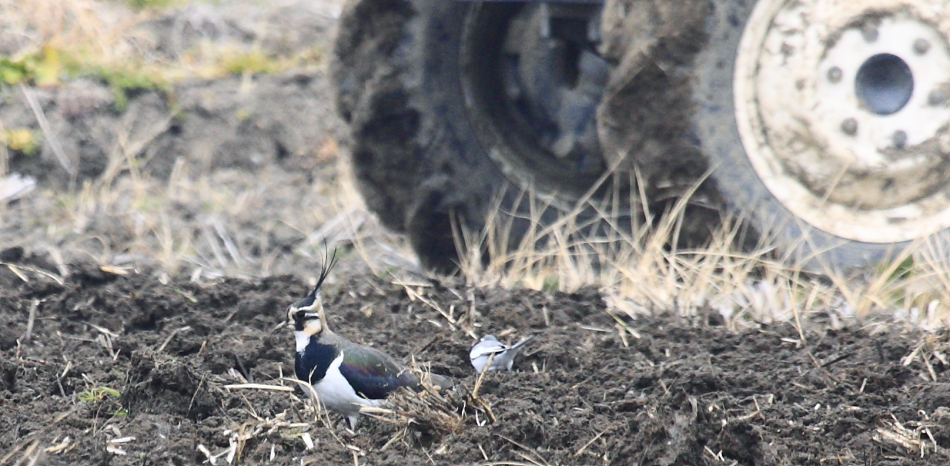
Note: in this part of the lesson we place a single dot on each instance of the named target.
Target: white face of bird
(306, 315)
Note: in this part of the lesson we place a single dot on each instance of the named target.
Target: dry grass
(640, 270)
(202, 224)
(207, 225)
(429, 411)
(914, 437)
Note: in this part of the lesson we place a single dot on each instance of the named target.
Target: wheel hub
(532, 82)
(843, 108)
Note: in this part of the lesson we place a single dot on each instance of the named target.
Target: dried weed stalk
(913, 436)
(431, 410)
(636, 262)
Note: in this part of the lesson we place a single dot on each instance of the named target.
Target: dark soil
(684, 392)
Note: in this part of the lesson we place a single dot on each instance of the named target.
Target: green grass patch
(123, 80)
(39, 67)
(97, 393)
(49, 66)
(22, 140)
(253, 61)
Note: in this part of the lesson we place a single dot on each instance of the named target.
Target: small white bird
(504, 355)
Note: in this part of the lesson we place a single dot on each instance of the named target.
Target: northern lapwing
(344, 375)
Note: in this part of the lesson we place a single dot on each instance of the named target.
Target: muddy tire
(434, 146)
(370, 96)
(794, 142)
(445, 128)
(414, 156)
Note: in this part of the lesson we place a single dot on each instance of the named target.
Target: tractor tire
(441, 139)
(826, 124)
(831, 143)
(412, 157)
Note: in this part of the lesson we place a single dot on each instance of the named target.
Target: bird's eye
(300, 315)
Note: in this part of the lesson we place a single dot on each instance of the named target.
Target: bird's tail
(523, 341)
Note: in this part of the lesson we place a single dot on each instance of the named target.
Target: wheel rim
(532, 99)
(843, 109)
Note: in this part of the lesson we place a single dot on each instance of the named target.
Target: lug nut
(937, 97)
(834, 74)
(900, 138)
(921, 46)
(849, 126)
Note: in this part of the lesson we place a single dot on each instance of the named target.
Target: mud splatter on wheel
(829, 122)
(454, 103)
